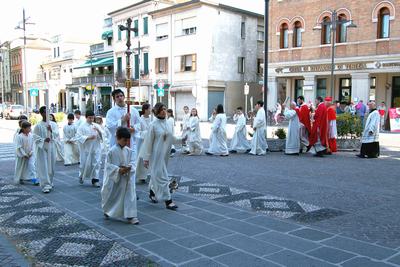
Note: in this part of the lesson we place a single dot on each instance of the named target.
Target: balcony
(106, 78)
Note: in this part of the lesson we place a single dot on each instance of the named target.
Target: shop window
(321, 87)
(298, 88)
(372, 89)
(345, 90)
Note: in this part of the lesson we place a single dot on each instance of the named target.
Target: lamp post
(91, 79)
(333, 24)
(266, 45)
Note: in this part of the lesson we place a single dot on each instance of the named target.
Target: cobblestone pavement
(203, 232)
(9, 256)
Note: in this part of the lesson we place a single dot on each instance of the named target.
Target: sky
(79, 18)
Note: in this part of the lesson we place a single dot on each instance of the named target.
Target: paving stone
(121, 228)
(207, 216)
(146, 218)
(364, 262)
(290, 258)
(395, 259)
(287, 241)
(206, 229)
(311, 234)
(213, 250)
(171, 251)
(331, 254)
(241, 215)
(143, 237)
(241, 227)
(212, 207)
(167, 231)
(172, 217)
(193, 241)
(76, 206)
(240, 259)
(201, 263)
(359, 247)
(273, 224)
(250, 245)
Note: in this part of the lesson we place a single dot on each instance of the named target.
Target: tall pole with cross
(128, 82)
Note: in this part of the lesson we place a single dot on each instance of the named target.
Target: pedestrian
(293, 138)
(193, 132)
(117, 116)
(259, 144)
(24, 157)
(305, 124)
(278, 112)
(118, 194)
(71, 147)
(22, 118)
(361, 109)
(90, 137)
(332, 129)
(382, 112)
(142, 173)
(155, 153)
(44, 134)
(218, 145)
(370, 136)
(184, 128)
(239, 142)
(319, 131)
(105, 144)
(57, 141)
(79, 118)
(171, 122)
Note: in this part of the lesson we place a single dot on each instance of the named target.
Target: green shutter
(119, 65)
(136, 67)
(119, 35)
(136, 25)
(145, 25)
(146, 63)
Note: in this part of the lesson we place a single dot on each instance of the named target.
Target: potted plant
(349, 130)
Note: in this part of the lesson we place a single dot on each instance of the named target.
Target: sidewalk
(202, 232)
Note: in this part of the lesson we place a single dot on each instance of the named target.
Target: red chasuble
(332, 117)
(320, 126)
(304, 116)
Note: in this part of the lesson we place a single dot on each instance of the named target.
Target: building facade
(367, 50)
(5, 69)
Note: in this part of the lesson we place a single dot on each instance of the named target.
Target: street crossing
(7, 151)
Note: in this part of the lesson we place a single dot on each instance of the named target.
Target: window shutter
(194, 63)
(145, 25)
(183, 63)
(146, 63)
(119, 34)
(157, 65)
(136, 25)
(136, 67)
(166, 65)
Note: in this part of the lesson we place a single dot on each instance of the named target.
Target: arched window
(384, 23)
(284, 36)
(297, 40)
(341, 29)
(326, 31)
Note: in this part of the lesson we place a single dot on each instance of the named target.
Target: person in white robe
(155, 153)
(370, 136)
(90, 137)
(239, 142)
(105, 144)
(218, 145)
(171, 122)
(142, 173)
(117, 116)
(59, 145)
(79, 119)
(25, 160)
(22, 118)
(71, 147)
(259, 144)
(193, 132)
(184, 127)
(118, 194)
(293, 136)
(44, 134)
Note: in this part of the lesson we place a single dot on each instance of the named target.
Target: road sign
(246, 89)
(160, 84)
(160, 92)
(34, 91)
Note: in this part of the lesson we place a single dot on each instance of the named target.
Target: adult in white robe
(58, 143)
(370, 136)
(24, 160)
(194, 137)
(144, 125)
(71, 146)
(118, 193)
(45, 151)
(184, 126)
(259, 144)
(293, 136)
(239, 142)
(218, 145)
(90, 137)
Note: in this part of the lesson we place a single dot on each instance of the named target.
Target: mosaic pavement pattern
(266, 204)
(54, 238)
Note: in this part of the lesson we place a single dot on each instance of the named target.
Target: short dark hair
(260, 102)
(239, 108)
(89, 113)
(77, 112)
(300, 97)
(70, 116)
(42, 110)
(123, 132)
(52, 117)
(117, 91)
(219, 109)
(25, 124)
(157, 108)
(320, 99)
(145, 106)
(170, 111)
(185, 107)
(23, 117)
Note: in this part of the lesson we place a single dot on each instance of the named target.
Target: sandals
(133, 220)
(152, 197)
(173, 186)
(170, 205)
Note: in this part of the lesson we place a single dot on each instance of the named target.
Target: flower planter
(348, 144)
(276, 145)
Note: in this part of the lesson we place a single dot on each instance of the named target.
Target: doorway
(396, 92)
(214, 98)
(345, 90)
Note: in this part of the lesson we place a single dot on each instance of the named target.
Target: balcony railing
(107, 78)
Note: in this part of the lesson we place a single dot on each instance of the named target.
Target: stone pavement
(203, 232)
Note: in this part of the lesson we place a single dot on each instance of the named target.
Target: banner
(394, 116)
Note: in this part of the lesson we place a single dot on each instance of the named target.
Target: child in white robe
(145, 120)
(239, 141)
(118, 194)
(105, 145)
(171, 121)
(25, 160)
(71, 148)
(21, 119)
(218, 145)
(57, 140)
(193, 133)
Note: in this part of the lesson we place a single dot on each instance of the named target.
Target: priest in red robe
(319, 130)
(303, 113)
(332, 129)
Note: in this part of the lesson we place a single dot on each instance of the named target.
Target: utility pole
(266, 45)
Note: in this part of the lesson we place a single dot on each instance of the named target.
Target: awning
(107, 34)
(109, 61)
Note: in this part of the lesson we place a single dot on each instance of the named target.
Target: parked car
(14, 112)
(3, 108)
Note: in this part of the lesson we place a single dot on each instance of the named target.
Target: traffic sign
(34, 91)
(160, 84)
(160, 92)
(246, 89)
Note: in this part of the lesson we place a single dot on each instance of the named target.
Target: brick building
(367, 60)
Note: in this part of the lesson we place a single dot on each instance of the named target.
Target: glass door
(345, 90)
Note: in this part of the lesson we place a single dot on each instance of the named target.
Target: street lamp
(91, 79)
(333, 24)
(266, 45)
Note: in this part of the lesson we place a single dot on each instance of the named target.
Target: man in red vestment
(305, 124)
(332, 130)
(319, 129)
